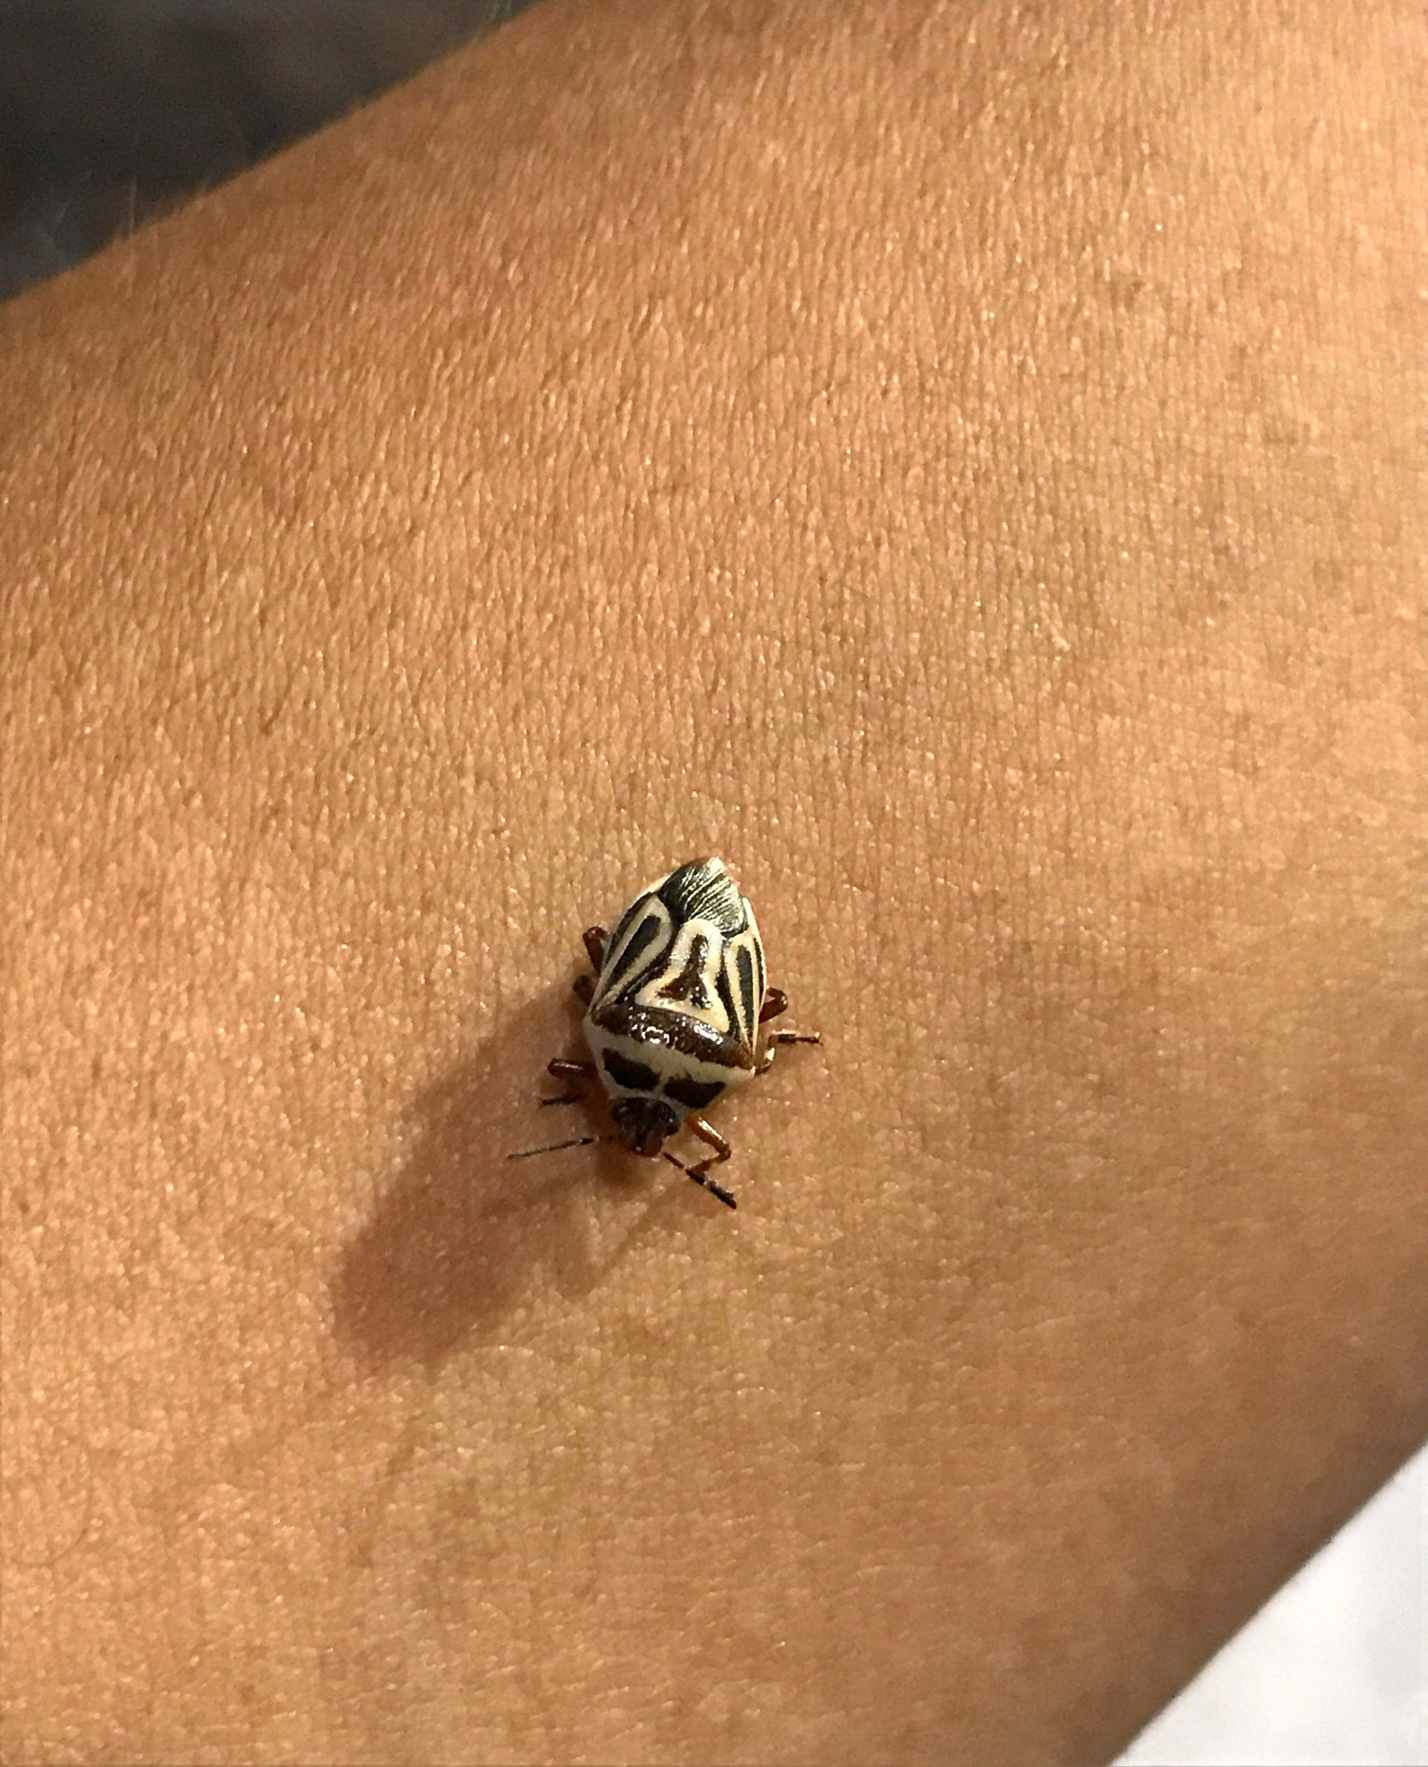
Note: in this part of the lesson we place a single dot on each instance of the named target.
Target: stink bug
(674, 1014)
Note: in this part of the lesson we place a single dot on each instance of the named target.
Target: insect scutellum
(673, 1014)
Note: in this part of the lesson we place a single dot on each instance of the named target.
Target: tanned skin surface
(962, 465)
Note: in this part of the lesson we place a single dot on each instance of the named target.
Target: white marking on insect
(674, 1015)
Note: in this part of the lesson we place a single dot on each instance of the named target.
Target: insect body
(674, 1013)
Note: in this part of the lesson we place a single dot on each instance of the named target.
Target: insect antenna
(529, 1153)
(726, 1197)
(714, 1189)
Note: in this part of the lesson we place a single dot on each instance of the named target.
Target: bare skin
(961, 467)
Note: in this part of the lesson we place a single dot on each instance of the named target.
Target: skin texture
(960, 465)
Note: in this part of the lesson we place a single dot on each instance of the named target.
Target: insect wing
(641, 941)
(703, 890)
(637, 945)
(689, 944)
(742, 982)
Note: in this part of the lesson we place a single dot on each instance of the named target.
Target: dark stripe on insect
(626, 921)
(668, 1028)
(632, 1074)
(640, 940)
(689, 983)
(694, 1093)
(726, 998)
(749, 1017)
(702, 891)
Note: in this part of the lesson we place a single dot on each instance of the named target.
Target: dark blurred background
(112, 110)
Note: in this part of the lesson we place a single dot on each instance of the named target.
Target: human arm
(963, 471)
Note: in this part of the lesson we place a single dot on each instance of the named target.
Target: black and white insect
(675, 1015)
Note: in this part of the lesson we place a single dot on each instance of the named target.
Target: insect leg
(579, 1073)
(776, 1037)
(596, 939)
(775, 1005)
(711, 1137)
(775, 1002)
(700, 1173)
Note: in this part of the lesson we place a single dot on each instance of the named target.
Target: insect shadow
(461, 1235)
